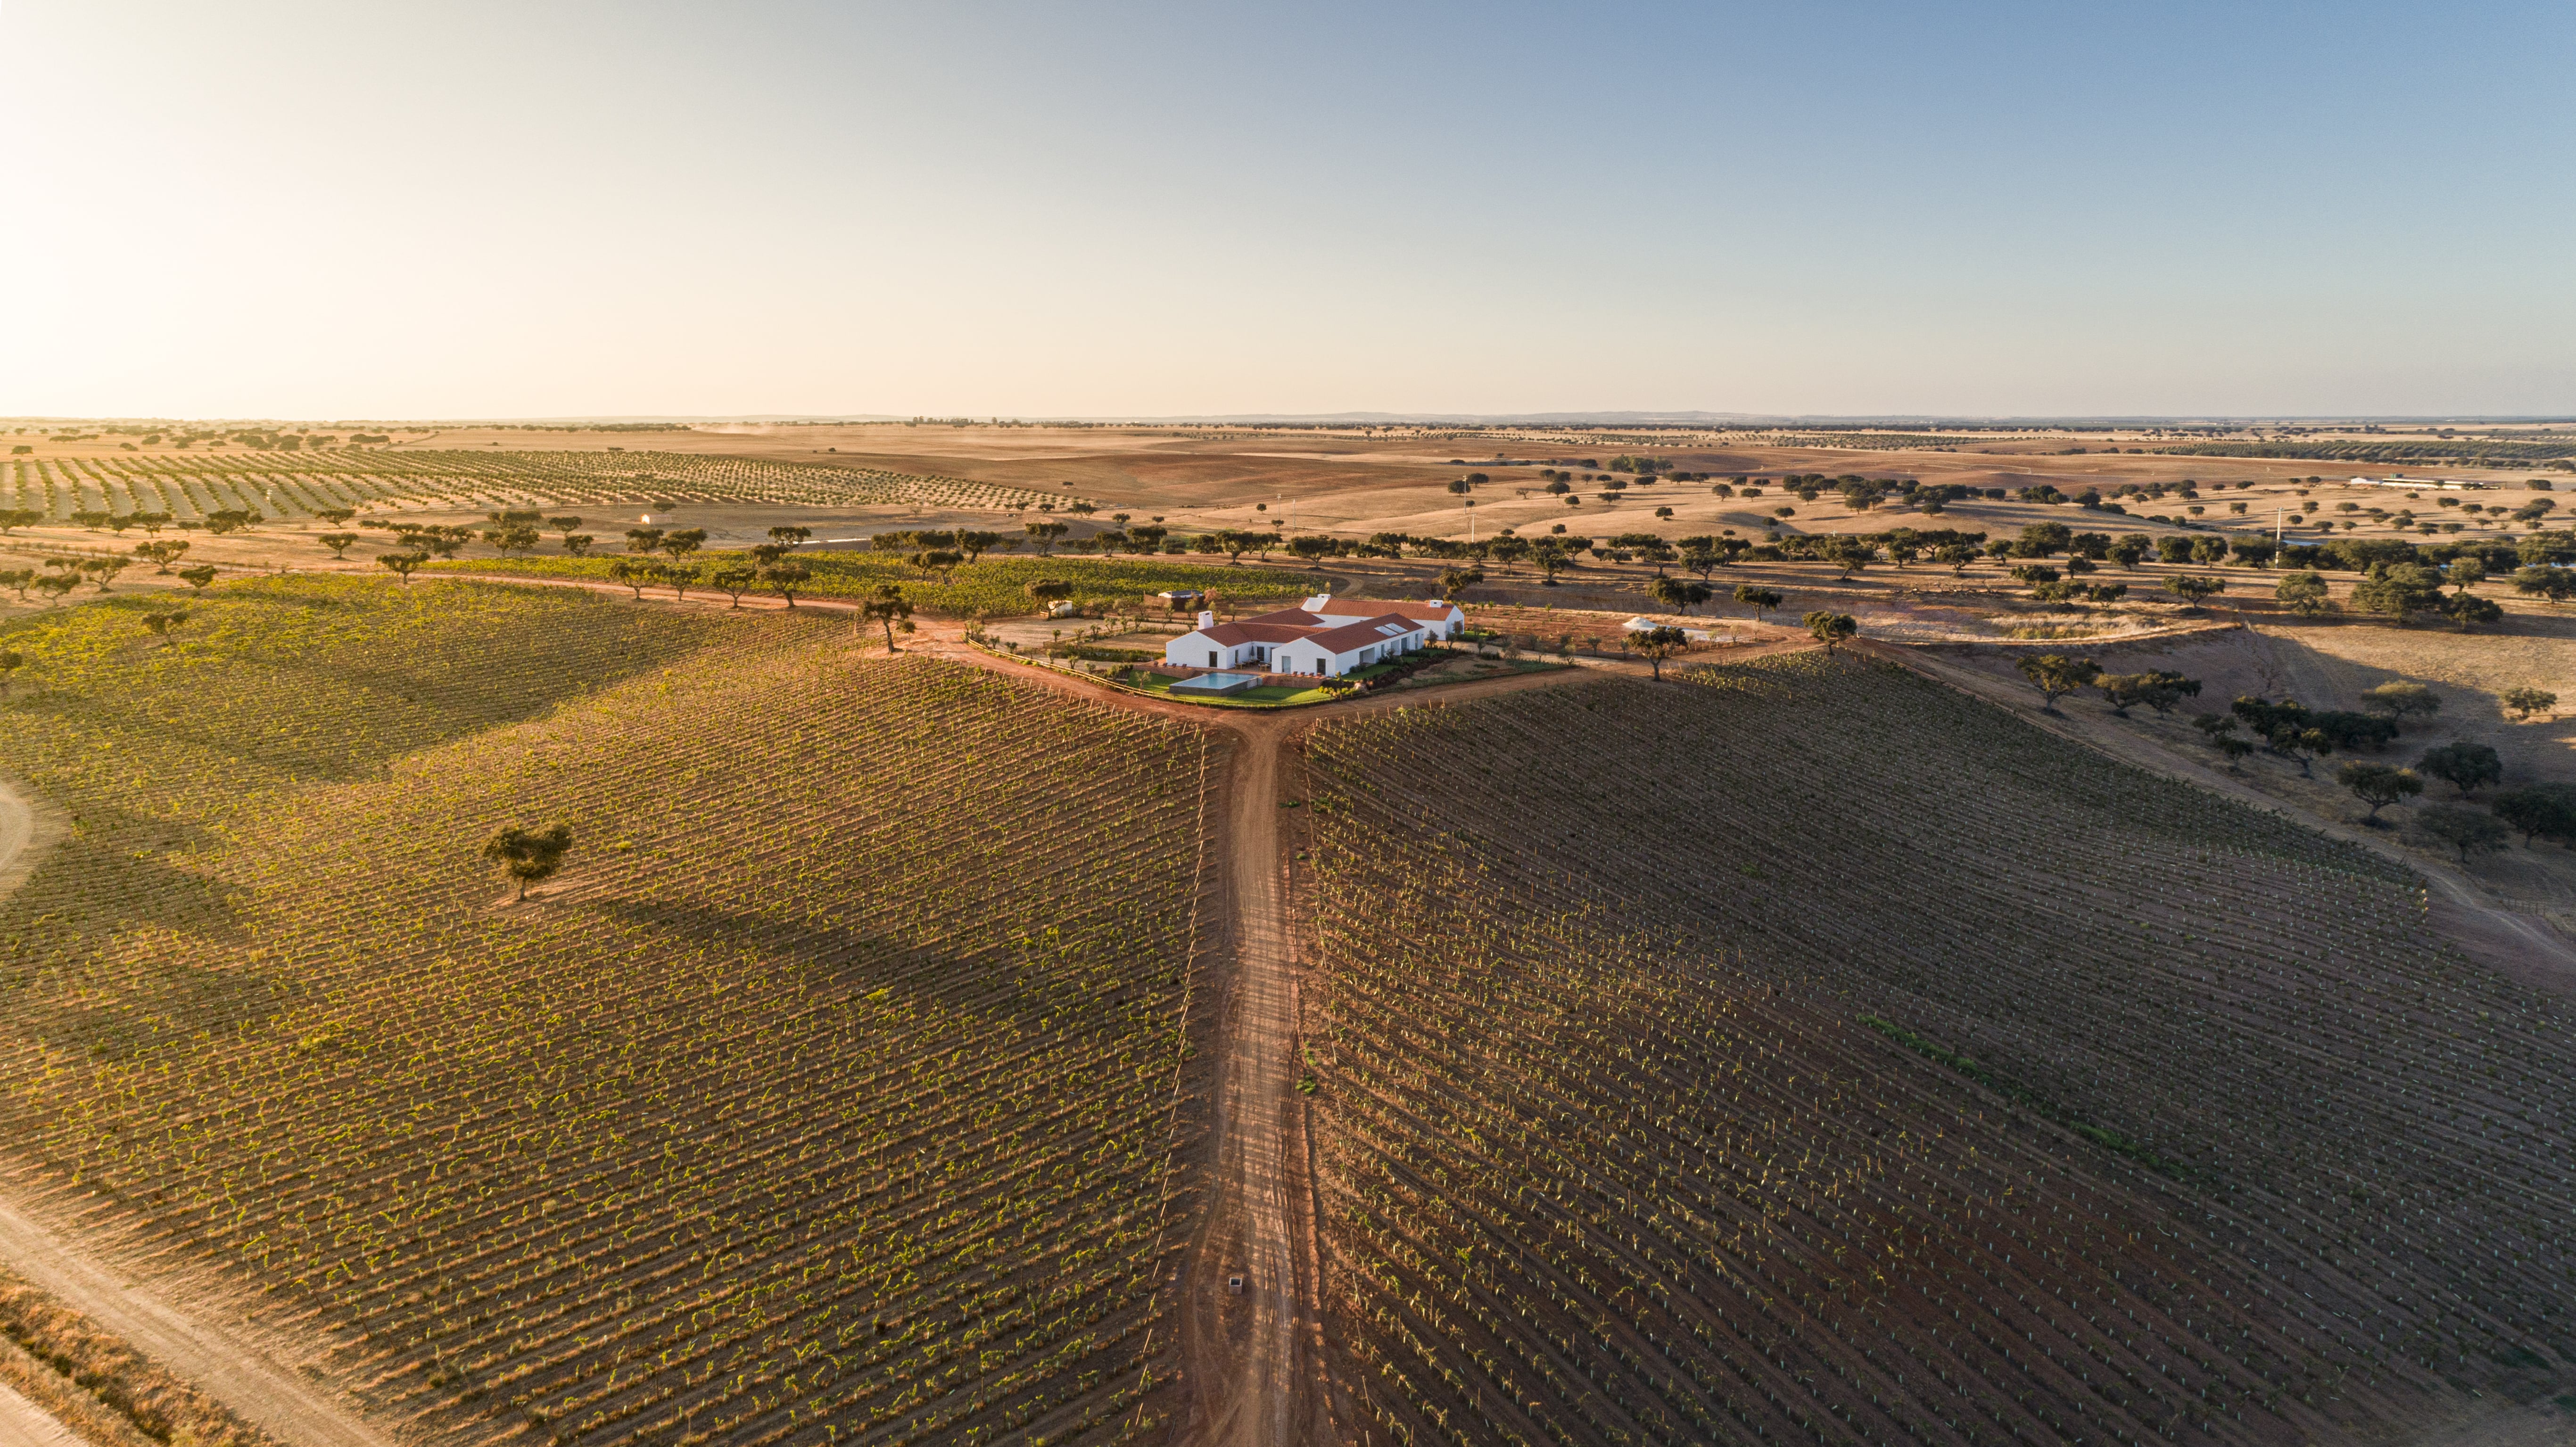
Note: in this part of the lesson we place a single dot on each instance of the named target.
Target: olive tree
(2524, 702)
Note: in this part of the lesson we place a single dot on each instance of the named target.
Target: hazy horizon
(283, 210)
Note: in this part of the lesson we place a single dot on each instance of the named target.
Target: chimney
(1206, 619)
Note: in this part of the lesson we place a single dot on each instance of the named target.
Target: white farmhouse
(1318, 637)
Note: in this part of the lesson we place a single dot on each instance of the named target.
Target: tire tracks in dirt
(1255, 1363)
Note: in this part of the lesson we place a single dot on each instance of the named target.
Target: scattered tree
(2192, 588)
(786, 575)
(2056, 675)
(338, 543)
(2304, 594)
(733, 579)
(2524, 702)
(1657, 644)
(576, 544)
(2379, 785)
(401, 565)
(2398, 591)
(2402, 701)
(2460, 828)
(790, 536)
(2547, 811)
(2463, 765)
(2157, 689)
(887, 606)
(1760, 600)
(1831, 628)
(1454, 581)
(643, 540)
(201, 575)
(530, 855)
(162, 620)
(634, 573)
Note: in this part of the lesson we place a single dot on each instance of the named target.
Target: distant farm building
(1318, 637)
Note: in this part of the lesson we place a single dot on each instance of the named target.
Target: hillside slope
(1807, 1051)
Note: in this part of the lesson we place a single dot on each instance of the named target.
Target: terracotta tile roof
(1351, 636)
(1293, 617)
(1254, 630)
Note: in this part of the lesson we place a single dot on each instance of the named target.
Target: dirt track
(24, 1424)
(217, 1361)
(1254, 1362)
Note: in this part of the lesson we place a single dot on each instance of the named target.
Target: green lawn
(1268, 695)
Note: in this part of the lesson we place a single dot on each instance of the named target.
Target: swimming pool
(1218, 683)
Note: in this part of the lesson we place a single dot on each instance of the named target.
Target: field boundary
(222, 1365)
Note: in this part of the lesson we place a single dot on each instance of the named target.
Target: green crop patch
(994, 587)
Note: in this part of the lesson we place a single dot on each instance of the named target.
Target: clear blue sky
(271, 208)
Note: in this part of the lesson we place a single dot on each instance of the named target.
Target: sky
(292, 209)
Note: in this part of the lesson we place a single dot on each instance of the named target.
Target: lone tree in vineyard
(162, 620)
(204, 573)
(887, 606)
(401, 565)
(2378, 785)
(1657, 644)
(2055, 675)
(530, 855)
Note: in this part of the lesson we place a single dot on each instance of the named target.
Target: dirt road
(217, 1361)
(24, 1424)
(1253, 1359)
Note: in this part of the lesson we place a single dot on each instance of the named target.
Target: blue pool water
(1217, 683)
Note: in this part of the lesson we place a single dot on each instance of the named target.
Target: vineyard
(826, 1096)
(300, 484)
(2466, 452)
(1811, 1053)
(994, 586)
